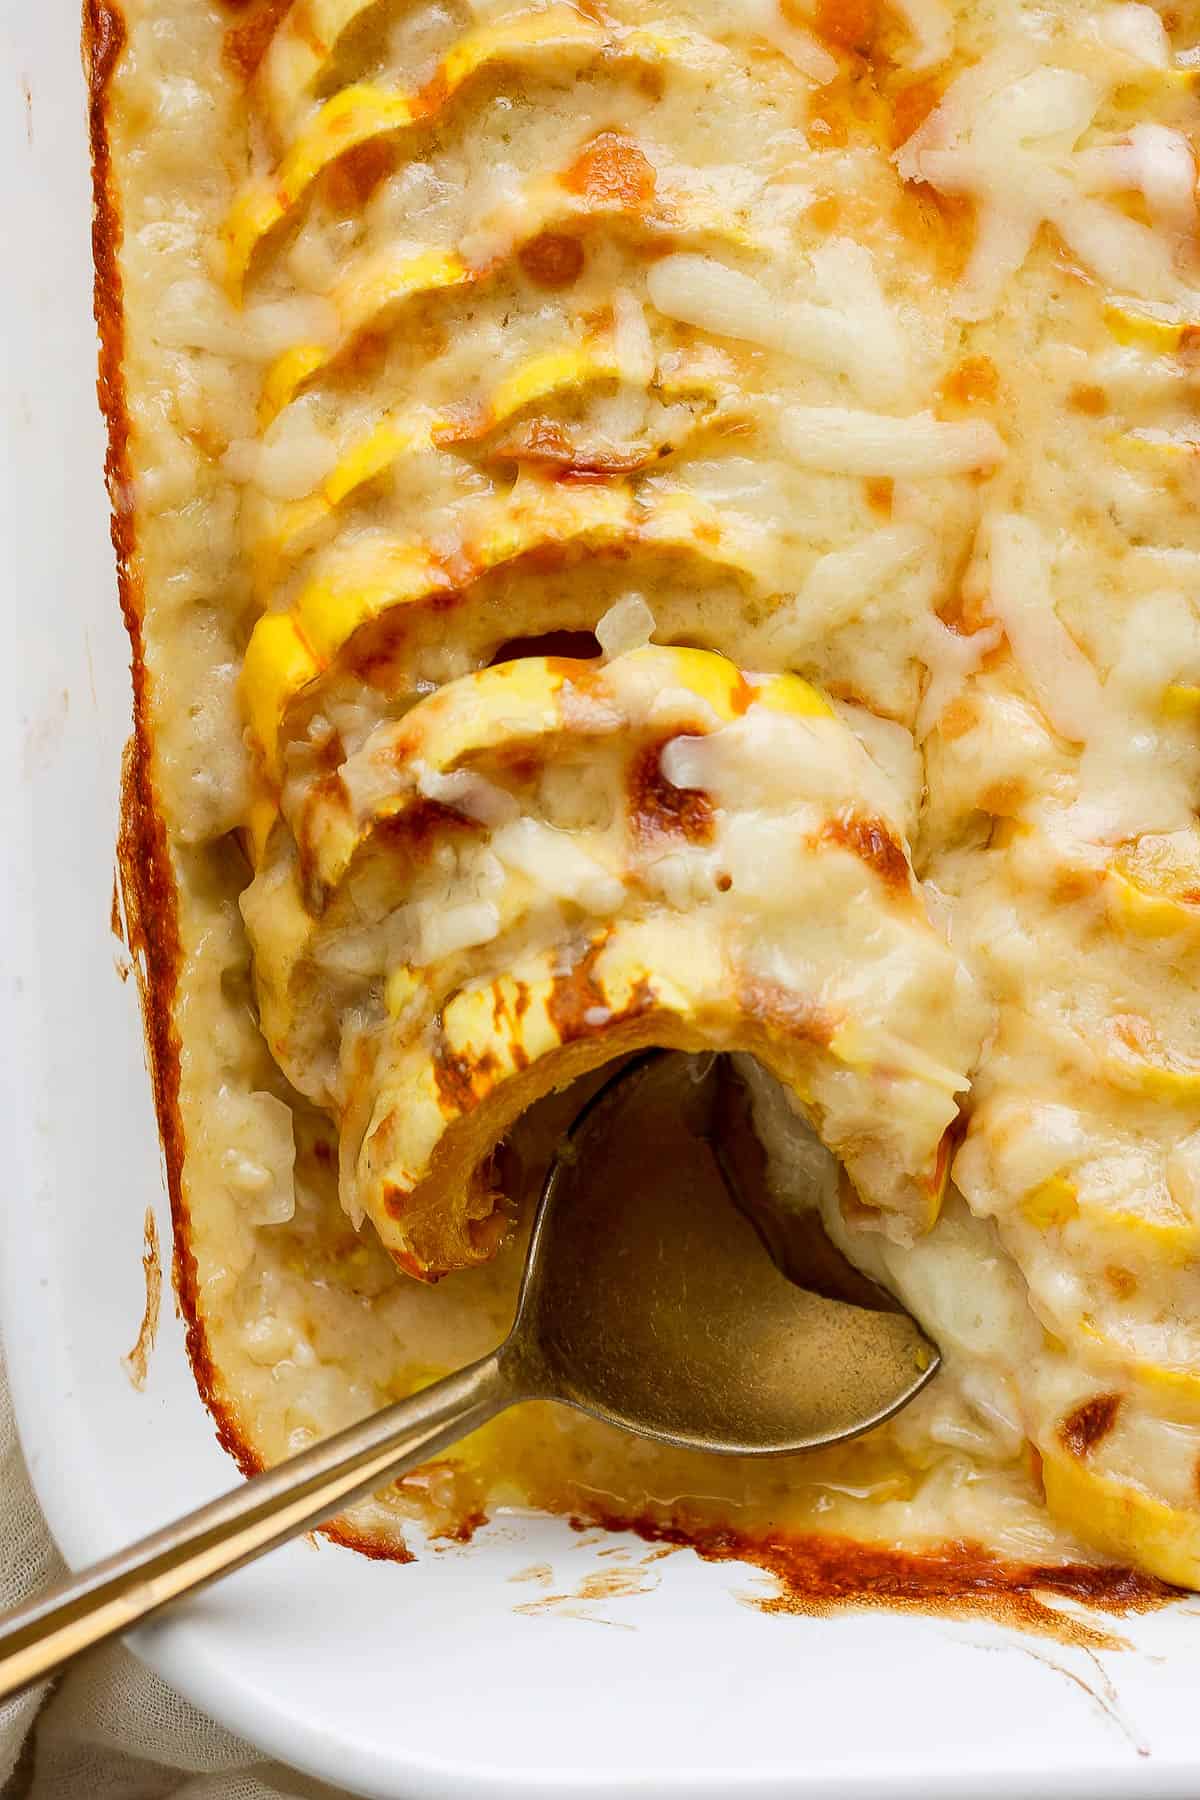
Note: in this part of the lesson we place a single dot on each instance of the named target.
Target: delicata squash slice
(378, 580)
(364, 112)
(722, 873)
(610, 179)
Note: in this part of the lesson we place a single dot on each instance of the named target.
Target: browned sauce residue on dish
(138, 1359)
(818, 1575)
(542, 1573)
(621, 1582)
(115, 922)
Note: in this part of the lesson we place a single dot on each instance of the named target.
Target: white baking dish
(422, 1680)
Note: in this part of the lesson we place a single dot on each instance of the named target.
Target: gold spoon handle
(116, 1594)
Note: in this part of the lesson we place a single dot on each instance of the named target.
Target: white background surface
(417, 1681)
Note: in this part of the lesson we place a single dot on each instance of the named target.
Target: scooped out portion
(551, 862)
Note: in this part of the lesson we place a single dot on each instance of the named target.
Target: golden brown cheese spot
(873, 843)
(848, 24)
(1071, 885)
(553, 259)
(880, 493)
(415, 833)
(458, 1080)
(824, 214)
(578, 1006)
(246, 44)
(354, 177)
(651, 81)
(1004, 799)
(911, 107)
(938, 226)
(1089, 399)
(1089, 1424)
(612, 169)
(1123, 1282)
(659, 810)
(544, 444)
(364, 357)
(972, 382)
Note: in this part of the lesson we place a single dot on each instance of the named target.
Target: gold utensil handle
(114, 1595)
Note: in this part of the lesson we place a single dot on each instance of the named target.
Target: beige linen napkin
(110, 1729)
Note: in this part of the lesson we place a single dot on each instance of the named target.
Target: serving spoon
(648, 1300)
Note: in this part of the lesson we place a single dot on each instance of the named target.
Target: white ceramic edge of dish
(81, 1442)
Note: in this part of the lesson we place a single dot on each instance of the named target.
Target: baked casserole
(674, 524)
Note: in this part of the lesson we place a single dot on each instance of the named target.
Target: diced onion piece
(1137, 31)
(931, 26)
(627, 625)
(468, 793)
(633, 343)
(1155, 162)
(556, 864)
(259, 1164)
(960, 104)
(1063, 681)
(799, 46)
(442, 931)
(845, 442)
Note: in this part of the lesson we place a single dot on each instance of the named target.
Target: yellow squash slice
(446, 1101)
(288, 651)
(303, 524)
(356, 115)
(477, 1033)
(363, 297)
(1122, 1520)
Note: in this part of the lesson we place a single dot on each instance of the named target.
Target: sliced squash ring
(1177, 1387)
(499, 1046)
(289, 650)
(298, 526)
(389, 278)
(1122, 1520)
(512, 710)
(530, 704)
(1134, 324)
(1174, 1239)
(362, 112)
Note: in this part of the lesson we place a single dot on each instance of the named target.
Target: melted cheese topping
(826, 372)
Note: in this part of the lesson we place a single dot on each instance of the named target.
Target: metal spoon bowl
(648, 1300)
